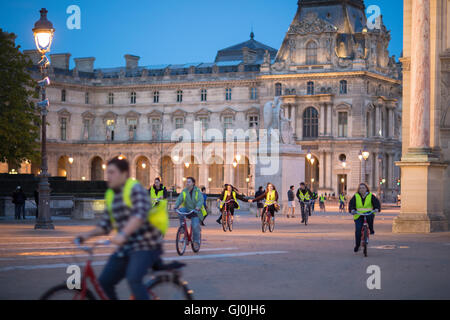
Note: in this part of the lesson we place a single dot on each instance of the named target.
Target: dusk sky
(166, 31)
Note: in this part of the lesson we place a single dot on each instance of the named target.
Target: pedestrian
(205, 197)
(259, 204)
(19, 198)
(291, 202)
(36, 200)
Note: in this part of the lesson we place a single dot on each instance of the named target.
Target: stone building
(339, 86)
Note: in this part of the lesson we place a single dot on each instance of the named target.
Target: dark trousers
(133, 266)
(271, 209)
(302, 207)
(358, 226)
(230, 207)
(19, 209)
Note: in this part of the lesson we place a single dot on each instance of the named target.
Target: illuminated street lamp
(187, 164)
(365, 155)
(43, 36)
(209, 179)
(235, 164)
(238, 157)
(309, 155)
(360, 157)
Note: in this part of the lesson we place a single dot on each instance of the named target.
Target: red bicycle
(365, 232)
(184, 235)
(227, 218)
(267, 220)
(167, 284)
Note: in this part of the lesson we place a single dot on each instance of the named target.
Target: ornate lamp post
(365, 154)
(43, 36)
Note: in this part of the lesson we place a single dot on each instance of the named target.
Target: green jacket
(191, 203)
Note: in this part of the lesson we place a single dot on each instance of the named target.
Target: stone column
(329, 108)
(329, 170)
(321, 170)
(322, 120)
(391, 118)
(377, 120)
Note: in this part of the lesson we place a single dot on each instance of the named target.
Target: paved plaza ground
(293, 262)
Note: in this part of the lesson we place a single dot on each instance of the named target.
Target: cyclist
(230, 193)
(205, 197)
(271, 198)
(191, 198)
(322, 202)
(342, 201)
(363, 201)
(140, 244)
(157, 191)
(304, 196)
(313, 201)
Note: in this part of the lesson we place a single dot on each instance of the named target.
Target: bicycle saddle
(161, 266)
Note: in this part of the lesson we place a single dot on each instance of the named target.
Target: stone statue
(274, 119)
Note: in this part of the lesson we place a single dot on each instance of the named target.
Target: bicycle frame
(89, 274)
(187, 233)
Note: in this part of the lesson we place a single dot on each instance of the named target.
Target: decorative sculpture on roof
(311, 24)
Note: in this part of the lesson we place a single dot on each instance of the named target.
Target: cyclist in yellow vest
(271, 197)
(322, 202)
(139, 243)
(157, 191)
(191, 198)
(363, 201)
(341, 200)
(229, 193)
(304, 196)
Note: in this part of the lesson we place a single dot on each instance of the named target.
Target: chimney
(131, 62)
(84, 64)
(60, 60)
(34, 55)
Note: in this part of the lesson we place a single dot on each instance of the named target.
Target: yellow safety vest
(270, 198)
(342, 197)
(305, 196)
(233, 193)
(157, 216)
(203, 210)
(363, 208)
(322, 199)
(154, 195)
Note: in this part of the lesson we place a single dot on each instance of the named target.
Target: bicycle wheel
(196, 246)
(224, 221)
(165, 287)
(61, 292)
(365, 240)
(271, 223)
(230, 222)
(306, 215)
(264, 221)
(181, 241)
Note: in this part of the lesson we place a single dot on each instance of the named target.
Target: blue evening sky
(166, 31)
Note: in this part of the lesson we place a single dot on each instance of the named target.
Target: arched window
(278, 89)
(311, 53)
(310, 123)
(310, 88)
(343, 87)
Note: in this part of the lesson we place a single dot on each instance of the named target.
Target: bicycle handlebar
(185, 213)
(91, 248)
(364, 214)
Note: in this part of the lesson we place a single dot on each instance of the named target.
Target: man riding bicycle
(191, 198)
(139, 242)
(304, 196)
(342, 201)
(362, 202)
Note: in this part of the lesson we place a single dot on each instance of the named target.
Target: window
(253, 93)
(204, 121)
(343, 87)
(203, 95)
(342, 124)
(310, 123)
(368, 124)
(63, 95)
(110, 98)
(133, 98)
(132, 128)
(278, 89)
(179, 96)
(156, 97)
(311, 53)
(86, 128)
(179, 123)
(227, 124)
(63, 125)
(228, 94)
(86, 98)
(156, 128)
(110, 126)
(253, 122)
(310, 88)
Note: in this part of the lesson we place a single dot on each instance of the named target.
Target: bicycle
(227, 218)
(167, 274)
(306, 211)
(185, 236)
(365, 232)
(267, 220)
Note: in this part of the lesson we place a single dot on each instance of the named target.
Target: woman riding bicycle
(230, 195)
(363, 201)
(271, 198)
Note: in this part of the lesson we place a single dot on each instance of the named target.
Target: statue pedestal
(286, 169)
(422, 200)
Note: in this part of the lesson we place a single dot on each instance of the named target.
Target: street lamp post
(380, 180)
(360, 157)
(365, 154)
(43, 36)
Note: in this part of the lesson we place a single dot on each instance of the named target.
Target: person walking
(291, 202)
(19, 198)
(259, 204)
(205, 197)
